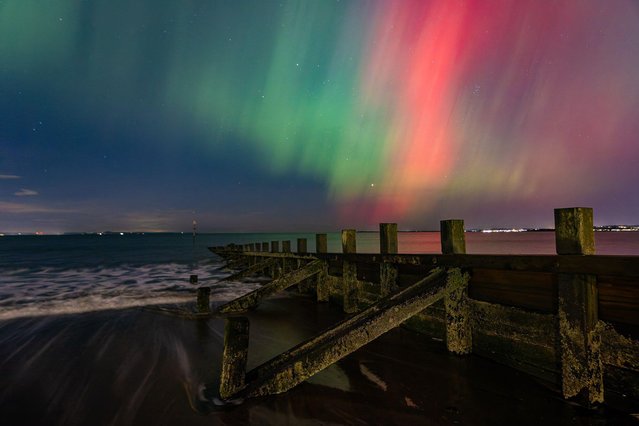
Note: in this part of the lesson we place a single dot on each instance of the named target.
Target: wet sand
(139, 367)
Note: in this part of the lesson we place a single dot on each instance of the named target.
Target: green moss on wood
(618, 350)
(300, 363)
(236, 340)
(252, 299)
(459, 337)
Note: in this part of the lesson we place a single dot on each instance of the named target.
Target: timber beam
(252, 299)
(258, 267)
(305, 360)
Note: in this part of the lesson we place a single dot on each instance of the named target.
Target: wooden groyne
(570, 319)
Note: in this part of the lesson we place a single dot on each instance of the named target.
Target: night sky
(312, 115)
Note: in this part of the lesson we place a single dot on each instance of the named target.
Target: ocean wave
(55, 291)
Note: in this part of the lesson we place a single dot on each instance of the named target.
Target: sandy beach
(136, 366)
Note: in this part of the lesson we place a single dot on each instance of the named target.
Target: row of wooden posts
(582, 371)
(574, 234)
(452, 232)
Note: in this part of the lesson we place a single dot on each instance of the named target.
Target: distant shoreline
(603, 228)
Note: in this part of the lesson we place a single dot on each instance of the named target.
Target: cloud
(24, 192)
(10, 177)
(22, 208)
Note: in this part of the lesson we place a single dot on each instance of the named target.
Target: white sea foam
(51, 291)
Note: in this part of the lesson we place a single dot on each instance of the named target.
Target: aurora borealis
(314, 115)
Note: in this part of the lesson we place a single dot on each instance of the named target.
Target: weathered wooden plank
(530, 290)
(303, 361)
(625, 266)
(531, 359)
(618, 299)
(252, 299)
(515, 324)
(250, 270)
(517, 338)
(530, 284)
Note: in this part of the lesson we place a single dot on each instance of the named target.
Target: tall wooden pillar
(387, 245)
(581, 366)
(321, 243)
(276, 269)
(286, 263)
(459, 334)
(203, 305)
(235, 355)
(349, 272)
(322, 288)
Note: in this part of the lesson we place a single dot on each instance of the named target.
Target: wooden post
(193, 279)
(252, 259)
(387, 245)
(301, 246)
(349, 272)
(388, 238)
(322, 286)
(265, 247)
(203, 305)
(459, 334)
(574, 232)
(321, 243)
(581, 365)
(309, 284)
(286, 263)
(452, 236)
(236, 341)
(349, 241)
(276, 270)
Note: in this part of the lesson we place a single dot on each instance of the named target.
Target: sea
(65, 274)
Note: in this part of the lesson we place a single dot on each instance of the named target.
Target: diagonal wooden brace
(298, 364)
(250, 270)
(252, 299)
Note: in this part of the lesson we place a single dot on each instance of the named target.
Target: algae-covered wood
(252, 299)
(312, 356)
